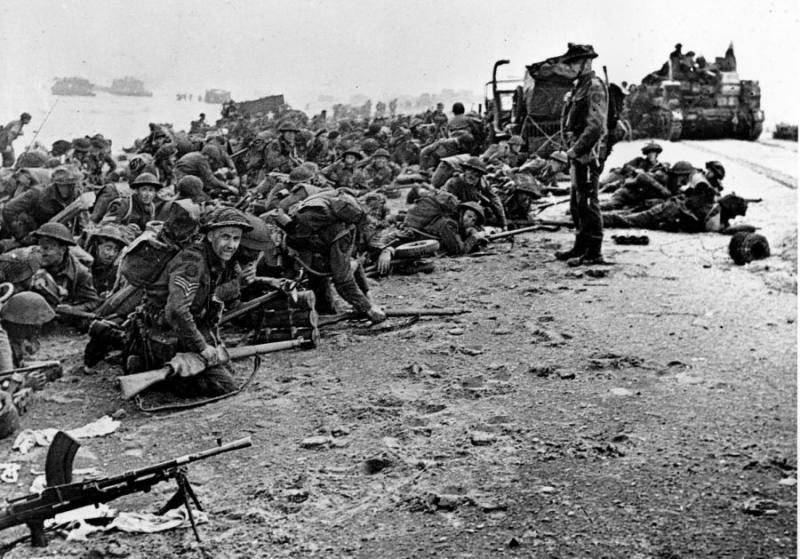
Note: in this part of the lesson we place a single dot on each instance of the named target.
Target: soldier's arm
(497, 205)
(184, 281)
(116, 210)
(645, 179)
(16, 208)
(84, 297)
(595, 119)
(343, 278)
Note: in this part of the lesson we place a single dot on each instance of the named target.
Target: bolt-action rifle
(62, 495)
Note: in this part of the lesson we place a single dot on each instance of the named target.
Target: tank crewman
(63, 281)
(280, 155)
(380, 171)
(105, 245)
(585, 129)
(186, 317)
(137, 209)
(471, 186)
(344, 173)
(647, 162)
(195, 163)
(24, 214)
(431, 154)
(8, 134)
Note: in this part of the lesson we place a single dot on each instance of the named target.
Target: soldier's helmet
(681, 168)
(370, 146)
(652, 147)
(57, 232)
(81, 144)
(301, 174)
(121, 234)
(64, 175)
(516, 141)
(381, 153)
(258, 237)
(27, 308)
(475, 164)
(466, 140)
(19, 265)
(717, 168)
(191, 187)
(354, 151)
(288, 127)
(146, 179)
(182, 221)
(560, 156)
(227, 217)
(475, 207)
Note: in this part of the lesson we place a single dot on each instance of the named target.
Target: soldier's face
(524, 200)
(65, 190)
(107, 252)
(224, 241)
(471, 177)
(380, 162)
(469, 219)
(289, 137)
(349, 160)
(652, 156)
(52, 251)
(146, 194)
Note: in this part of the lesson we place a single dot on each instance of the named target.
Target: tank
(695, 101)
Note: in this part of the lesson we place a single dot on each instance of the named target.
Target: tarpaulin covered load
(545, 85)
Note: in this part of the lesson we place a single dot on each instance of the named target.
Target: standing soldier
(8, 134)
(585, 130)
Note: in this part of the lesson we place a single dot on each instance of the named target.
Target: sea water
(119, 118)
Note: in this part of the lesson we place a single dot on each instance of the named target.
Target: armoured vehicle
(73, 86)
(695, 100)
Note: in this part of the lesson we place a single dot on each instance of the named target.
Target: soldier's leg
(579, 246)
(441, 174)
(622, 198)
(591, 219)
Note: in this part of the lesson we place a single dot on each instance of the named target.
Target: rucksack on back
(144, 260)
(327, 208)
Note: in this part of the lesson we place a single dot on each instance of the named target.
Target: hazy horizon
(379, 49)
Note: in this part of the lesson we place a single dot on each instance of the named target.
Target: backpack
(616, 100)
(143, 261)
(327, 208)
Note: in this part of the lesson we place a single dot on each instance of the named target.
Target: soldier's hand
(376, 314)
(210, 355)
(248, 273)
(385, 262)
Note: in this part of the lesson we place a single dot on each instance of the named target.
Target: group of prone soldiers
(647, 193)
(227, 226)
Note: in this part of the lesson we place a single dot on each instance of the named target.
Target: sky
(305, 48)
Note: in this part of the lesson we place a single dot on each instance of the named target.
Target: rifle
(131, 385)
(333, 319)
(33, 140)
(289, 288)
(75, 313)
(541, 225)
(61, 495)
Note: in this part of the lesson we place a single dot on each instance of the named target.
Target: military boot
(575, 252)
(593, 255)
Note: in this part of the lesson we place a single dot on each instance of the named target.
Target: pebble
(482, 438)
(119, 414)
(788, 481)
(315, 442)
(621, 392)
(566, 375)
(456, 331)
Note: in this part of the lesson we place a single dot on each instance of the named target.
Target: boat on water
(217, 96)
(129, 86)
(73, 86)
